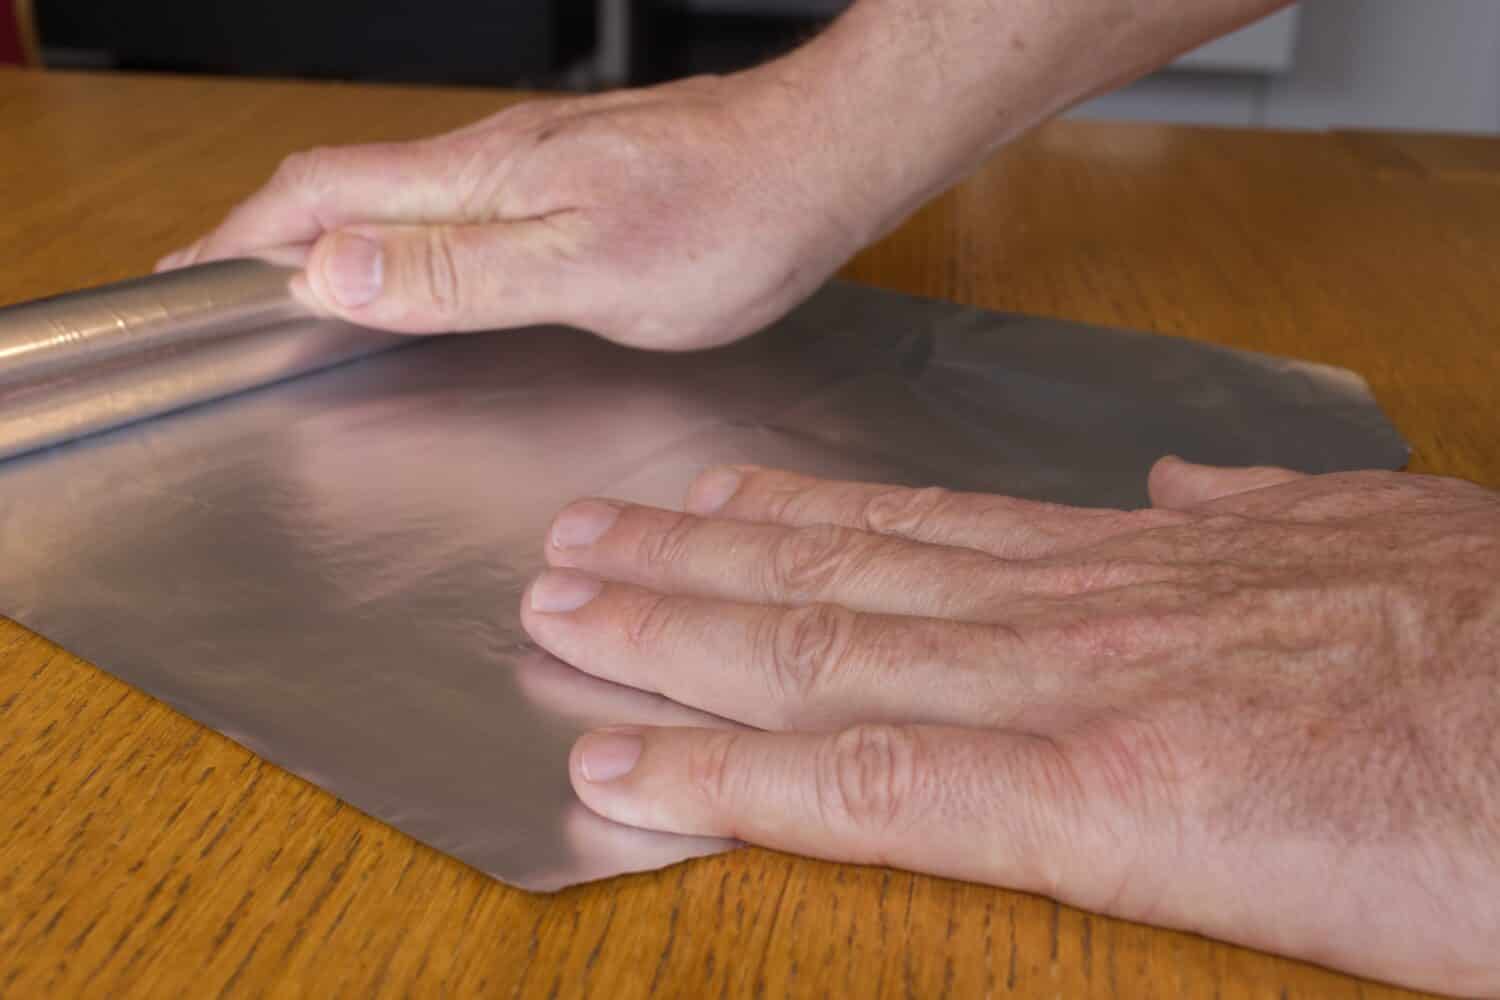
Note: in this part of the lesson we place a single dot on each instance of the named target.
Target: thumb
(1176, 484)
(447, 278)
(986, 806)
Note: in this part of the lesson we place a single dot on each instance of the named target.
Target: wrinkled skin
(1265, 709)
(676, 217)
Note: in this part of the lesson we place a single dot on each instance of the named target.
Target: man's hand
(676, 217)
(1265, 710)
(692, 214)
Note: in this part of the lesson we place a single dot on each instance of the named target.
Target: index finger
(325, 189)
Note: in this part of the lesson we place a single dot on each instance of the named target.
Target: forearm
(910, 95)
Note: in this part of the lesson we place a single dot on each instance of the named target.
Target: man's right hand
(675, 217)
(690, 214)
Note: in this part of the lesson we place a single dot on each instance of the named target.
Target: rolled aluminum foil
(79, 364)
(328, 569)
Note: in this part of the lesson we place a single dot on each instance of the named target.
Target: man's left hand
(1264, 709)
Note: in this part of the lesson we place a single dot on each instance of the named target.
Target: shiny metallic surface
(328, 569)
(82, 363)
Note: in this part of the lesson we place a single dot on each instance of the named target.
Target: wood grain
(1443, 156)
(142, 855)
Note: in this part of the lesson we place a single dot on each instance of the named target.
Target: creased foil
(328, 569)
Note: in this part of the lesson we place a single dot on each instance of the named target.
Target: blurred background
(1406, 64)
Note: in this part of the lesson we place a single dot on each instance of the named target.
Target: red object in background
(15, 27)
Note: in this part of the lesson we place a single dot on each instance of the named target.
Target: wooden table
(141, 854)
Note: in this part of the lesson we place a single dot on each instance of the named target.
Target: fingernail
(713, 489)
(610, 754)
(583, 524)
(557, 592)
(354, 270)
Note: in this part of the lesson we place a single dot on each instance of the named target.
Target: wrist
(882, 113)
(900, 98)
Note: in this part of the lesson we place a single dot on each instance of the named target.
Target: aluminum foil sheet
(328, 569)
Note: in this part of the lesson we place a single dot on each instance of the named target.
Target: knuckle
(1092, 573)
(664, 548)
(806, 561)
(1119, 783)
(309, 172)
(711, 771)
(521, 115)
(1147, 519)
(1118, 572)
(651, 622)
(867, 778)
(903, 511)
(621, 163)
(785, 502)
(1045, 814)
(637, 158)
(1222, 523)
(1101, 646)
(297, 168)
(804, 647)
(439, 272)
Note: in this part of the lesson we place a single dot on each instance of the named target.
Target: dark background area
(1366, 64)
(538, 43)
(678, 41)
